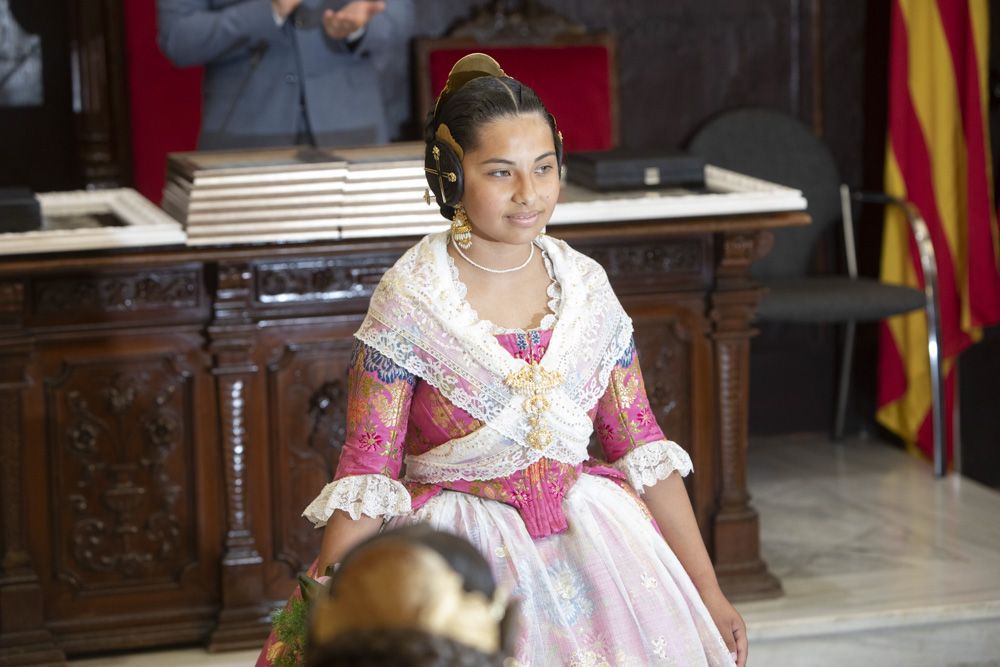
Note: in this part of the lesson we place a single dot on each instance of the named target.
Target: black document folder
(629, 169)
(19, 211)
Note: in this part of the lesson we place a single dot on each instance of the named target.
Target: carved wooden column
(242, 620)
(101, 92)
(24, 639)
(741, 571)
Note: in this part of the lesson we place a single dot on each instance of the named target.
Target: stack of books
(299, 194)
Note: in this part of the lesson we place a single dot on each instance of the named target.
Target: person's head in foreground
(411, 596)
(492, 157)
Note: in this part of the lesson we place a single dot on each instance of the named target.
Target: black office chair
(779, 148)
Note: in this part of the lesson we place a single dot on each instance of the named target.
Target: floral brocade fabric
(392, 413)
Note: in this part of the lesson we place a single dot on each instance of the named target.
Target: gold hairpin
(450, 175)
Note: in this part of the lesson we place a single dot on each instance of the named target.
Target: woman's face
(511, 179)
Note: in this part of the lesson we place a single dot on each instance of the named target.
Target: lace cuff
(648, 464)
(373, 495)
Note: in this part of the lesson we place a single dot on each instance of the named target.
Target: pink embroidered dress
(565, 532)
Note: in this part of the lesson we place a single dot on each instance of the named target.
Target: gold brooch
(533, 381)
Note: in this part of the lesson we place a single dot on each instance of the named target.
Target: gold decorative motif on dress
(626, 383)
(533, 382)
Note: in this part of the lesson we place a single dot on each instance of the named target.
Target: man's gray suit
(271, 85)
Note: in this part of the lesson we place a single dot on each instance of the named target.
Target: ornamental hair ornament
(450, 175)
(404, 586)
(443, 133)
(469, 67)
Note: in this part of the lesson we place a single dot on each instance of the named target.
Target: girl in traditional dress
(489, 356)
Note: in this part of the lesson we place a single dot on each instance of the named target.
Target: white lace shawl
(418, 319)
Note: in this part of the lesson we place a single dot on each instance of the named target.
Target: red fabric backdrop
(164, 101)
(572, 81)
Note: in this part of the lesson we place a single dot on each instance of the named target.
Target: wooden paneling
(307, 401)
(126, 532)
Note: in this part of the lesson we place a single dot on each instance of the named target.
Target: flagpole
(928, 263)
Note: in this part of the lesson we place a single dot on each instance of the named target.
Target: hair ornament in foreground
(400, 585)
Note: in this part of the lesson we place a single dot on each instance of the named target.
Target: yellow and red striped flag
(938, 156)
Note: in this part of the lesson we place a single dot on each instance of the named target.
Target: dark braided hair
(480, 101)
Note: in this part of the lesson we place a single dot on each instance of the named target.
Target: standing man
(282, 72)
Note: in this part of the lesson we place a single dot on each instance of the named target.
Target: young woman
(489, 356)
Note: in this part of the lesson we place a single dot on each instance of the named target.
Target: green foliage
(290, 627)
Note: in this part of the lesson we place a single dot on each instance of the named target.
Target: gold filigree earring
(461, 232)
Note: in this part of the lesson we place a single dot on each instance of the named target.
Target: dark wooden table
(166, 413)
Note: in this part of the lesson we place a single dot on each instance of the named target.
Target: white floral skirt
(608, 591)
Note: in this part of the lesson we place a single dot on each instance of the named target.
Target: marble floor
(881, 564)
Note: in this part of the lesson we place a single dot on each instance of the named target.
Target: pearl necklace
(488, 269)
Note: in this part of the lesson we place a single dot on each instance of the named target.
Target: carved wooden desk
(165, 415)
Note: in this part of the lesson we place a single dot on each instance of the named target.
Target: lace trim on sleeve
(648, 464)
(372, 495)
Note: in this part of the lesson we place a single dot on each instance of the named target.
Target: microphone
(256, 54)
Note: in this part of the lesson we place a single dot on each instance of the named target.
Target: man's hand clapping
(354, 16)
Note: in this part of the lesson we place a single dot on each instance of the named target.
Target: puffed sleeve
(632, 440)
(367, 476)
